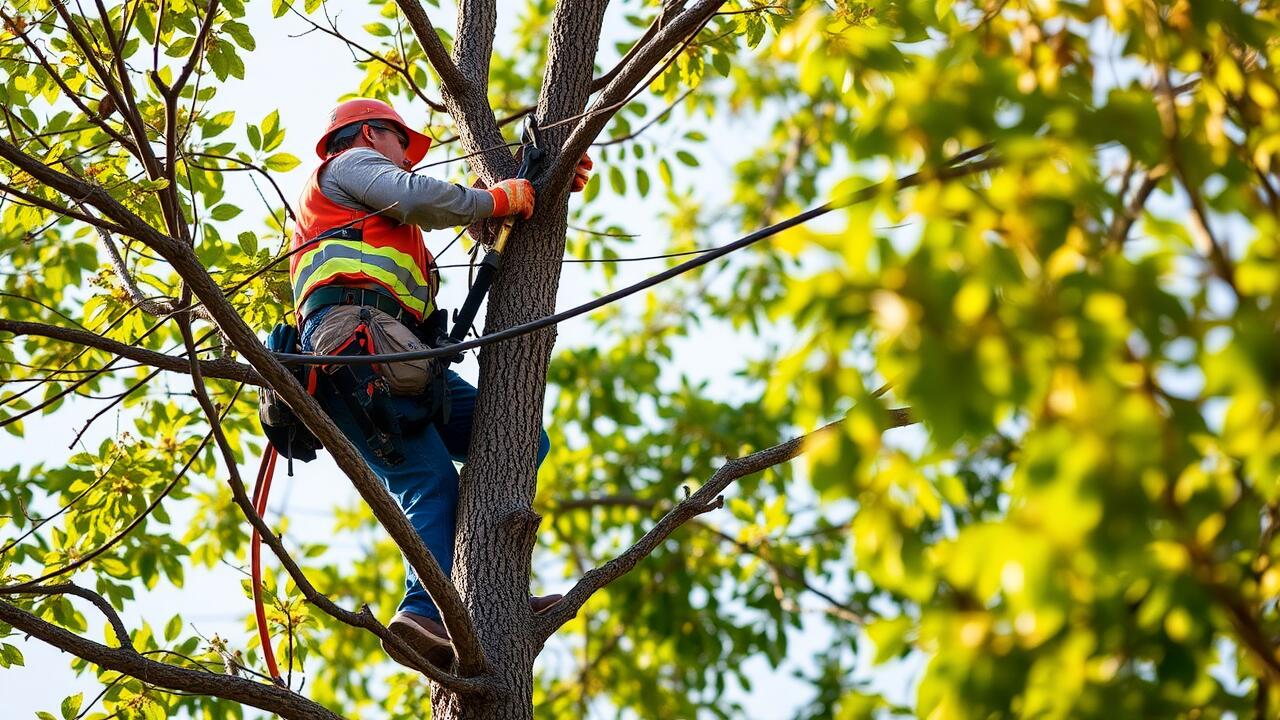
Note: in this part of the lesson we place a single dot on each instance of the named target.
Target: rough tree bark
(497, 526)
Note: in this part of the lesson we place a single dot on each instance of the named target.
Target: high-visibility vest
(390, 254)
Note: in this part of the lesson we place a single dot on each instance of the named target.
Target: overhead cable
(862, 195)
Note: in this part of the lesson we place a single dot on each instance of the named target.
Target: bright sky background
(302, 76)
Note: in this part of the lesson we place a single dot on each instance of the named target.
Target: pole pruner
(533, 153)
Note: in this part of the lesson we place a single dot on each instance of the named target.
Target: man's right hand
(511, 197)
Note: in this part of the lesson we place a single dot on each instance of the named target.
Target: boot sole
(437, 651)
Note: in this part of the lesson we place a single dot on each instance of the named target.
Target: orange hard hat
(361, 109)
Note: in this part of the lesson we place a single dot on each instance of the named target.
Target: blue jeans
(426, 483)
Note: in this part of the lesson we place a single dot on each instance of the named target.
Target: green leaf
(664, 172)
(378, 29)
(687, 158)
(642, 182)
(282, 162)
(173, 628)
(248, 242)
(218, 124)
(224, 212)
(616, 181)
(270, 129)
(180, 47)
(71, 706)
(240, 33)
(592, 189)
(720, 61)
(11, 655)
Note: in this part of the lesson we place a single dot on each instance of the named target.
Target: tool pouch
(284, 431)
(349, 330)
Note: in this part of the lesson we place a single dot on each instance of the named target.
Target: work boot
(542, 603)
(423, 634)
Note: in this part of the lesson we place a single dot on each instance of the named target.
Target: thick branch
(450, 77)
(222, 368)
(262, 696)
(117, 625)
(705, 499)
(675, 31)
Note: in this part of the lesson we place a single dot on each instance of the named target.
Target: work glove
(511, 197)
(581, 173)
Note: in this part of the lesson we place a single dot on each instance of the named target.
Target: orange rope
(260, 491)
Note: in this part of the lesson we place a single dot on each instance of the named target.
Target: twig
(706, 499)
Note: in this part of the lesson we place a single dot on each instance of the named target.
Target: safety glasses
(400, 134)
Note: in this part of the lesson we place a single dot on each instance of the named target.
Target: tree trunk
(497, 526)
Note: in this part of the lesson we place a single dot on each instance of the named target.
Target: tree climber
(363, 281)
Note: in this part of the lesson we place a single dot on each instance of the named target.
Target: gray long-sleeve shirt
(363, 178)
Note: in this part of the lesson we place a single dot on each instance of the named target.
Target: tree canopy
(1056, 257)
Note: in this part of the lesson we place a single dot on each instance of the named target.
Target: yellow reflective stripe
(389, 266)
(401, 259)
(337, 266)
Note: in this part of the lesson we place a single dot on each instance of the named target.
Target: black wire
(549, 320)
(451, 243)
(948, 171)
(610, 260)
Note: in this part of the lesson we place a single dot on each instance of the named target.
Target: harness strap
(367, 397)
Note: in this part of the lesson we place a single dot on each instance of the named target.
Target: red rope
(260, 492)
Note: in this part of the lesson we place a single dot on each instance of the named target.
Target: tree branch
(678, 29)
(117, 625)
(706, 499)
(450, 76)
(263, 696)
(1123, 222)
(145, 304)
(221, 368)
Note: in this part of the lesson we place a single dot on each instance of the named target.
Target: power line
(866, 193)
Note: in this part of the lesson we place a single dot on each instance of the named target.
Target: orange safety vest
(390, 255)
